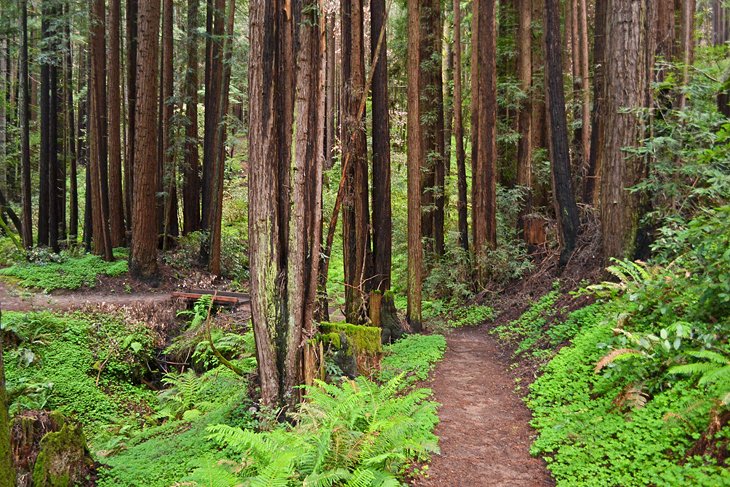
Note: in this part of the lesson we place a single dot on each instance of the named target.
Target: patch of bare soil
(484, 430)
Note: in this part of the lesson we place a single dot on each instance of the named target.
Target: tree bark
(97, 133)
(24, 118)
(168, 182)
(564, 200)
(355, 218)
(592, 185)
(44, 102)
(415, 151)
(116, 196)
(382, 219)
(7, 479)
(191, 180)
(131, 26)
(484, 176)
(459, 133)
(4, 91)
(627, 77)
(143, 256)
(524, 120)
(71, 136)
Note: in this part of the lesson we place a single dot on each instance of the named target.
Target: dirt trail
(484, 433)
(12, 299)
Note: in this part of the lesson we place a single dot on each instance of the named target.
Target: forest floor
(484, 432)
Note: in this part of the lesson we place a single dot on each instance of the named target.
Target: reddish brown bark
(116, 204)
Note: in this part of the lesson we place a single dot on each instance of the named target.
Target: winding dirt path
(484, 433)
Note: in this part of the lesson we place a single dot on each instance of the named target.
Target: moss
(330, 339)
(365, 339)
(63, 458)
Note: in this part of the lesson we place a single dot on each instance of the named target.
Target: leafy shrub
(60, 271)
(359, 432)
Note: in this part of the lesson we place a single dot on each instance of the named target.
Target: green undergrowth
(65, 271)
(641, 395)
(85, 366)
(363, 338)
(414, 356)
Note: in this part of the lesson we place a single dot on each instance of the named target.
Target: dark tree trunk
(415, 157)
(167, 108)
(191, 180)
(459, 133)
(71, 136)
(44, 99)
(97, 132)
(7, 479)
(382, 220)
(565, 206)
(524, 120)
(143, 255)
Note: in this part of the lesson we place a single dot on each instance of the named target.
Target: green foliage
(639, 396)
(413, 356)
(63, 375)
(63, 271)
(356, 434)
(472, 315)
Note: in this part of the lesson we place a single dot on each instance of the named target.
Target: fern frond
(614, 355)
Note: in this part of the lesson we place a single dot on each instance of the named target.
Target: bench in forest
(219, 297)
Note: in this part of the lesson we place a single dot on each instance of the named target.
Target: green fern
(713, 371)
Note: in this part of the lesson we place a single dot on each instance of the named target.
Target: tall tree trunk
(306, 223)
(382, 220)
(191, 180)
(4, 91)
(71, 135)
(585, 73)
(116, 196)
(592, 185)
(356, 220)
(143, 256)
(98, 132)
(627, 76)
(415, 157)
(524, 120)
(448, 93)
(687, 28)
(44, 101)
(459, 133)
(484, 176)
(331, 83)
(565, 207)
(474, 108)
(24, 118)
(169, 200)
(131, 26)
(53, 95)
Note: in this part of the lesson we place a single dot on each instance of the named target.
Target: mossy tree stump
(357, 349)
(50, 451)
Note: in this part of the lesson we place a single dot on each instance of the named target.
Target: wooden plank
(216, 299)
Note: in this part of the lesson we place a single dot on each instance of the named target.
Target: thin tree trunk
(565, 206)
(131, 25)
(474, 109)
(585, 72)
(459, 133)
(382, 220)
(415, 156)
(7, 479)
(331, 83)
(687, 15)
(169, 206)
(191, 180)
(71, 136)
(143, 255)
(98, 132)
(524, 121)
(591, 189)
(4, 90)
(116, 196)
(44, 99)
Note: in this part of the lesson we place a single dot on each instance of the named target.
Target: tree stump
(392, 325)
(357, 349)
(50, 451)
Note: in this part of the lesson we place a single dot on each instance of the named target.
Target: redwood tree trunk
(143, 255)
(524, 120)
(415, 157)
(484, 176)
(116, 196)
(24, 118)
(382, 220)
(565, 207)
(591, 193)
(131, 20)
(626, 77)
(191, 180)
(459, 133)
